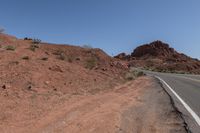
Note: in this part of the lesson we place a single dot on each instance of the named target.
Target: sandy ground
(139, 106)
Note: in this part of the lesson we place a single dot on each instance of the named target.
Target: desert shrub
(129, 76)
(139, 73)
(13, 62)
(10, 47)
(25, 57)
(87, 46)
(58, 52)
(36, 41)
(62, 56)
(91, 63)
(133, 74)
(33, 47)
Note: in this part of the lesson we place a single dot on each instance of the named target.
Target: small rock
(46, 82)
(104, 69)
(4, 86)
(29, 87)
(78, 59)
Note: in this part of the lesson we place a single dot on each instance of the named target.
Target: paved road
(187, 87)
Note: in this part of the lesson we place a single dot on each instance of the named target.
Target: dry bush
(36, 41)
(91, 63)
(33, 47)
(10, 47)
(133, 74)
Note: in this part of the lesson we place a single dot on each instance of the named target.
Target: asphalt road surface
(187, 89)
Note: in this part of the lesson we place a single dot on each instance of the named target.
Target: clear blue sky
(113, 25)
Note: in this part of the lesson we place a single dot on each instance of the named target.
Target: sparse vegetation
(33, 47)
(10, 47)
(87, 46)
(133, 74)
(91, 63)
(62, 56)
(58, 52)
(14, 62)
(36, 41)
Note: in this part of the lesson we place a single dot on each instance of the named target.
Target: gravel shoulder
(138, 106)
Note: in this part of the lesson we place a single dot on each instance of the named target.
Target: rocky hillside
(32, 66)
(37, 77)
(159, 56)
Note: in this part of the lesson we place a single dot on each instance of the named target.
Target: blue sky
(113, 25)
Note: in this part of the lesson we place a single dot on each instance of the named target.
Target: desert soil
(139, 106)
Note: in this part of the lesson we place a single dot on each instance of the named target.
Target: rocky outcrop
(161, 57)
(156, 48)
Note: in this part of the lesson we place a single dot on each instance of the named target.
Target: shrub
(25, 58)
(62, 56)
(58, 52)
(87, 46)
(14, 62)
(129, 76)
(33, 47)
(9, 47)
(36, 41)
(91, 63)
(133, 74)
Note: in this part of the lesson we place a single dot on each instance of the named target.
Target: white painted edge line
(194, 115)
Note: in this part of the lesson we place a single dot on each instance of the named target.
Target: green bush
(9, 47)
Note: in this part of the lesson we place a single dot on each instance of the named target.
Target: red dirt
(31, 87)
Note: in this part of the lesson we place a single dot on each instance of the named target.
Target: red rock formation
(160, 56)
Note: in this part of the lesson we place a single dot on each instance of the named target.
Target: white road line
(194, 115)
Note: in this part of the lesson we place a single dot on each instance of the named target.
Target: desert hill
(63, 68)
(37, 77)
(159, 56)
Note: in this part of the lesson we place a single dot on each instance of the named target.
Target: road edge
(174, 105)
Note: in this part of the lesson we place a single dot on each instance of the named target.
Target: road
(187, 87)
